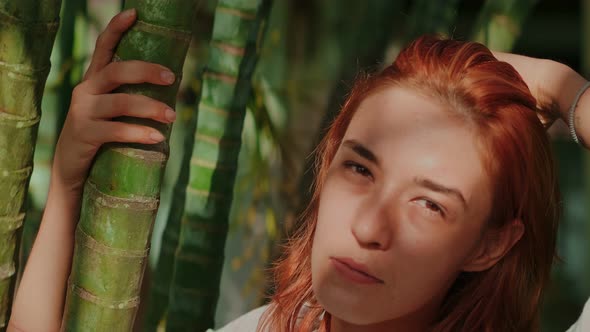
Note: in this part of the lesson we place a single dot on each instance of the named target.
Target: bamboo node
(184, 35)
(7, 270)
(89, 242)
(218, 141)
(204, 193)
(136, 203)
(17, 121)
(49, 26)
(9, 224)
(235, 12)
(24, 72)
(147, 155)
(217, 110)
(211, 165)
(19, 174)
(221, 77)
(228, 48)
(105, 303)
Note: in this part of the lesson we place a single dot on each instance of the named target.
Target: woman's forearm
(552, 82)
(41, 292)
(561, 83)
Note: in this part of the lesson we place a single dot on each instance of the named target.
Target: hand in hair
(554, 85)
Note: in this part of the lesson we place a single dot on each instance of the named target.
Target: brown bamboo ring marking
(204, 193)
(89, 242)
(217, 110)
(111, 304)
(206, 227)
(154, 157)
(184, 35)
(203, 106)
(235, 12)
(16, 121)
(24, 72)
(229, 48)
(221, 77)
(136, 203)
(211, 165)
(48, 25)
(218, 141)
(19, 174)
(9, 224)
(7, 270)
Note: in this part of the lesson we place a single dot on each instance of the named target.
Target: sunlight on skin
(414, 239)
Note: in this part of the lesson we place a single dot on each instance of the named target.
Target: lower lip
(353, 275)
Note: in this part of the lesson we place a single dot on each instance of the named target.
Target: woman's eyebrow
(361, 150)
(435, 186)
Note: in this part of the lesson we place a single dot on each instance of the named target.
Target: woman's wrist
(561, 84)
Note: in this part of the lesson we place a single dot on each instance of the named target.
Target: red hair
(491, 95)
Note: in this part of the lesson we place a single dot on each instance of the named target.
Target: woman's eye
(358, 168)
(432, 207)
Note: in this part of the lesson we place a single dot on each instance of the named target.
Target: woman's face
(405, 199)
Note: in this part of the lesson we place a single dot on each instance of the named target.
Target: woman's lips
(354, 271)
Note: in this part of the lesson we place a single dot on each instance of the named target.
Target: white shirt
(583, 323)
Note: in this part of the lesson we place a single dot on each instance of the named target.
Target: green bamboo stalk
(27, 34)
(431, 17)
(121, 194)
(499, 23)
(186, 123)
(158, 296)
(237, 31)
(56, 97)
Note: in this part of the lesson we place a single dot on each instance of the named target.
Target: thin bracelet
(573, 107)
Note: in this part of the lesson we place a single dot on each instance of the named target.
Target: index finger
(107, 41)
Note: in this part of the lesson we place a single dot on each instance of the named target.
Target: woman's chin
(350, 308)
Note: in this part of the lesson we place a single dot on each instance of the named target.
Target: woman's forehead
(409, 130)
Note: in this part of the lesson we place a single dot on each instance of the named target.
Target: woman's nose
(374, 228)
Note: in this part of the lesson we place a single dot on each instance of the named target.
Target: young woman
(435, 206)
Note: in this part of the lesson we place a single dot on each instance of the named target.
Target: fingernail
(156, 136)
(167, 76)
(170, 115)
(128, 13)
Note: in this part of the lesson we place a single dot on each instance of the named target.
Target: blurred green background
(313, 49)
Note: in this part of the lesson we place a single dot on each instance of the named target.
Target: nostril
(374, 245)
